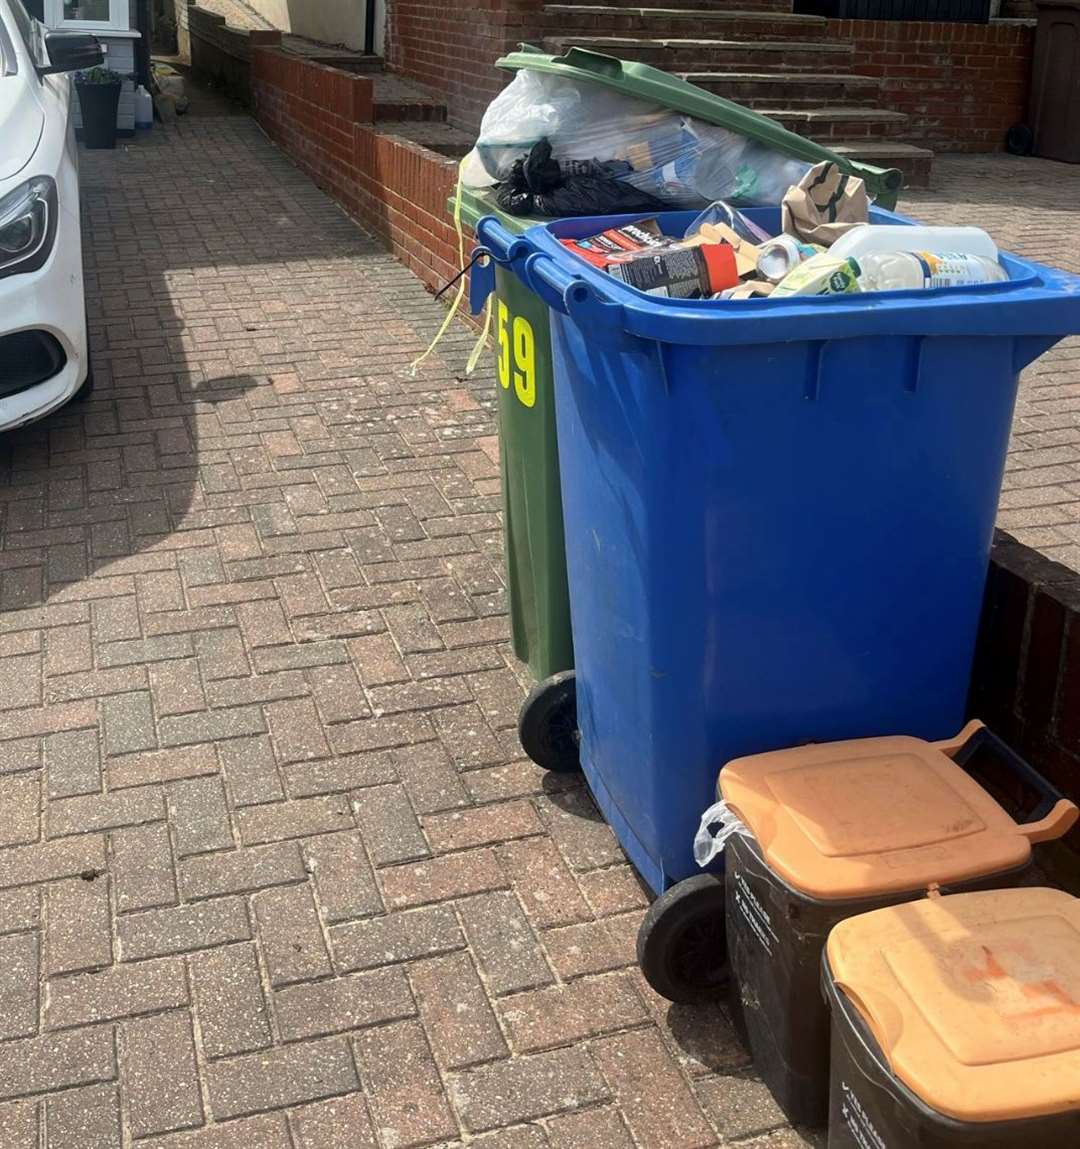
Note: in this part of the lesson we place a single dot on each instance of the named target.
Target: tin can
(779, 256)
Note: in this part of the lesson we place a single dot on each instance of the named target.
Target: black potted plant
(99, 96)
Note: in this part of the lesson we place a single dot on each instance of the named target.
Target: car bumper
(51, 300)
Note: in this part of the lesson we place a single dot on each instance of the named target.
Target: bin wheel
(547, 724)
(682, 943)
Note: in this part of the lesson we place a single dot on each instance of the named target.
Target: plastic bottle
(907, 271)
(868, 238)
(144, 108)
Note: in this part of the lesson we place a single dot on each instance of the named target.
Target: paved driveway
(273, 873)
(1032, 207)
(273, 870)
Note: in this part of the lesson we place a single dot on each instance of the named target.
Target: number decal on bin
(517, 355)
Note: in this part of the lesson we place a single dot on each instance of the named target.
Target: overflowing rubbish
(725, 255)
(538, 185)
(824, 205)
(556, 146)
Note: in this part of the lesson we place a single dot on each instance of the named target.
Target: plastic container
(144, 109)
(867, 238)
(955, 1023)
(837, 830)
(918, 270)
(778, 513)
(529, 463)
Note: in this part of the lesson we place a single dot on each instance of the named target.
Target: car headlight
(27, 226)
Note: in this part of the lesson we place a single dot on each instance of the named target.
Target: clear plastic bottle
(873, 237)
(908, 271)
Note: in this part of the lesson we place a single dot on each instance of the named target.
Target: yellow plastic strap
(481, 341)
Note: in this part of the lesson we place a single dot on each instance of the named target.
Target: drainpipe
(369, 27)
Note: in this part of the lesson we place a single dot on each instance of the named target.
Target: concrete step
(608, 20)
(840, 123)
(789, 89)
(916, 163)
(436, 137)
(398, 99)
(715, 5)
(692, 55)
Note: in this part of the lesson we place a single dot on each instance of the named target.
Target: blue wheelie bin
(778, 516)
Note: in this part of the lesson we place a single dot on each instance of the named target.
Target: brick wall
(222, 54)
(964, 85)
(322, 118)
(1026, 681)
(451, 47)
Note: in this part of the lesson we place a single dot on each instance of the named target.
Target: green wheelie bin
(528, 448)
(529, 462)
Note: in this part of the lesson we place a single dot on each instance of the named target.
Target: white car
(44, 356)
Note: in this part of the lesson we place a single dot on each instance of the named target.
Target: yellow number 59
(517, 355)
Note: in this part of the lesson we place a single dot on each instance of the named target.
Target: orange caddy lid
(876, 816)
(973, 999)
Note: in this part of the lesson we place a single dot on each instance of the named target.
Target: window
(89, 14)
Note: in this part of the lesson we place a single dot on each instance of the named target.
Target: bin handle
(549, 281)
(877, 1013)
(588, 61)
(1054, 816)
(502, 245)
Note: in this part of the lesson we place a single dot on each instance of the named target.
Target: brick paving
(1032, 207)
(273, 872)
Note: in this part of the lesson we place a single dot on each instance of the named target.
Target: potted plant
(99, 96)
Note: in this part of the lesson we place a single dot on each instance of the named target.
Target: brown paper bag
(824, 204)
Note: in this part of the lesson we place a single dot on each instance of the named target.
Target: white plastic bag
(681, 161)
(718, 823)
(582, 122)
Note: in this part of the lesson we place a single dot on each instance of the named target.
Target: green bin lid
(478, 202)
(644, 82)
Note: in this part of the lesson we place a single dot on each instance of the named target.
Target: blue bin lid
(1034, 301)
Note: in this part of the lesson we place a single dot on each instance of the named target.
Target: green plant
(99, 75)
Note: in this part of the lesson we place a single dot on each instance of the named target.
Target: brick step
(789, 90)
(397, 100)
(916, 163)
(714, 5)
(715, 55)
(563, 19)
(827, 124)
(436, 137)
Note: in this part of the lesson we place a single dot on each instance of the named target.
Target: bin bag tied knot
(718, 823)
(824, 205)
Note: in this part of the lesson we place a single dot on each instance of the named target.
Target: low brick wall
(963, 85)
(322, 118)
(452, 46)
(1026, 681)
(222, 54)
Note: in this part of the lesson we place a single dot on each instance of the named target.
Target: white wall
(332, 21)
